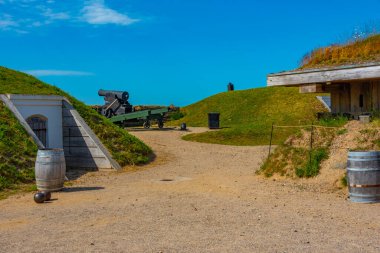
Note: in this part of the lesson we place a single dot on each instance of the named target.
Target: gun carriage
(120, 111)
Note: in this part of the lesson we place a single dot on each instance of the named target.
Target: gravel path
(193, 198)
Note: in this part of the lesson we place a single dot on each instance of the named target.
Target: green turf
(246, 116)
(17, 151)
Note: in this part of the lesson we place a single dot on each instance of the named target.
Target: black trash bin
(213, 120)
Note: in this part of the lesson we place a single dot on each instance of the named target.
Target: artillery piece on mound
(120, 111)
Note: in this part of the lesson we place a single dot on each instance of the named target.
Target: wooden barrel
(50, 169)
(363, 175)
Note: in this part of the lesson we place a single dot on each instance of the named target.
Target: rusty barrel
(50, 169)
(363, 176)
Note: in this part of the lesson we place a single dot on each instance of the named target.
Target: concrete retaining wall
(82, 147)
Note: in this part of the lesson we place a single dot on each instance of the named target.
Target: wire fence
(304, 147)
(312, 128)
(308, 145)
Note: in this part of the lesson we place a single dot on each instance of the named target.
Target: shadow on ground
(81, 189)
(73, 174)
(140, 129)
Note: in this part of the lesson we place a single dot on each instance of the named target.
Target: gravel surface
(193, 197)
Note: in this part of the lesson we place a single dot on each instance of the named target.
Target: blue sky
(169, 51)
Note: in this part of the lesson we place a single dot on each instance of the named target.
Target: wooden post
(311, 143)
(270, 141)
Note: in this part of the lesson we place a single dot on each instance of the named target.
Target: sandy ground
(214, 203)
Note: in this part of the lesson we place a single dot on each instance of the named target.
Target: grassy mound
(360, 51)
(17, 151)
(246, 116)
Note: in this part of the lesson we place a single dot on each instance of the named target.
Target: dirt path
(215, 203)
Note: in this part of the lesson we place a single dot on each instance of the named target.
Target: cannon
(120, 111)
(116, 103)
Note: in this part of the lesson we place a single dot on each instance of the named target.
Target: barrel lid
(364, 153)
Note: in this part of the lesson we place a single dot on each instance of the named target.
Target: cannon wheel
(146, 124)
(160, 123)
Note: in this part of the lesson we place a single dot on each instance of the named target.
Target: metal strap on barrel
(363, 169)
(365, 185)
(364, 159)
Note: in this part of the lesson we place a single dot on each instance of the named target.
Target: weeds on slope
(302, 153)
(17, 151)
(353, 52)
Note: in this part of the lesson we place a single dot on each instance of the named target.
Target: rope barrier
(316, 126)
(306, 126)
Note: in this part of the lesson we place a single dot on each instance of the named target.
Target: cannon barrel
(121, 95)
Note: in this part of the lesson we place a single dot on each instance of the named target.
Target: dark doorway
(38, 125)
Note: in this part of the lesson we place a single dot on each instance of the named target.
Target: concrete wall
(49, 107)
(82, 147)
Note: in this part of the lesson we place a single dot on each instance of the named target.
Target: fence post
(311, 143)
(270, 142)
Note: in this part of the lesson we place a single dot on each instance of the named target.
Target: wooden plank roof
(324, 75)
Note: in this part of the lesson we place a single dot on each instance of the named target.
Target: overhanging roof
(323, 75)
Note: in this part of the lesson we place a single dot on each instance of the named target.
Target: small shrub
(176, 115)
(341, 131)
(344, 181)
(311, 169)
(333, 120)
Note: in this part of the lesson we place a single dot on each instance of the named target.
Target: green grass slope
(17, 151)
(247, 115)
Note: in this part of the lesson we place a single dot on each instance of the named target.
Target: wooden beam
(311, 88)
(338, 74)
(8, 103)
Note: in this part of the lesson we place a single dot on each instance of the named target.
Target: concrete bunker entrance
(53, 122)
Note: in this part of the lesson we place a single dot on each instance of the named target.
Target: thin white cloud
(7, 22)
(51, 15)
(24, 16)
(97, 13)
(54, 72)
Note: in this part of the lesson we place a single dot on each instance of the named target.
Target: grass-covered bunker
(354, 89)
(350, 72)
(52, 122)
(18, 149)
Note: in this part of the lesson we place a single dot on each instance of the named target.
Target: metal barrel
(183, 126)
(123, 95)
(363, 176)
(213, 120)
(50, 169)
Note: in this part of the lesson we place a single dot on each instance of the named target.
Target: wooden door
(38, 125)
